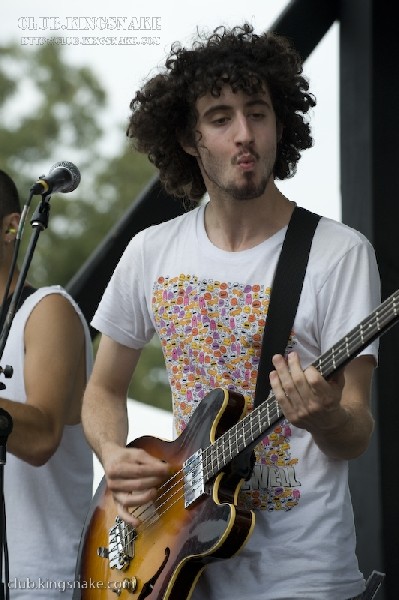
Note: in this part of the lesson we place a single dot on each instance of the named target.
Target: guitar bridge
(194, 486)
(120, 545)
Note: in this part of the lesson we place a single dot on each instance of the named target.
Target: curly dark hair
(163, 111)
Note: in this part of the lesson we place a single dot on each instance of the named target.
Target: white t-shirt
(209, 307)
(46, 506)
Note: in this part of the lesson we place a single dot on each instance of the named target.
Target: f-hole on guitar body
(193, 521)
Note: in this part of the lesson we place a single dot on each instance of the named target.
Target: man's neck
(4, 273)
(236, 225)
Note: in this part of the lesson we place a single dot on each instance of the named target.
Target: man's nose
(243, 133)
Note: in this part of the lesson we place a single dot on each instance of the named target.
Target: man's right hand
(134, 477)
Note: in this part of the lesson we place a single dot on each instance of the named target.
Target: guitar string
(364, 331)
(324, 363)
(131, 535)
(157, 503)
(335, 356)
(156, 515)
(339, 349)
(338, 353)
(164, 485)
(220, 442)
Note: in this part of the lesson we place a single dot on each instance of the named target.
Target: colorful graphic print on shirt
(211, 333)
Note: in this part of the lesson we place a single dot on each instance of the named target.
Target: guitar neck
(247, 433)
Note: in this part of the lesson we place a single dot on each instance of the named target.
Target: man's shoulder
(155, 237)
(54, 298)
(341, 230)
(339, 236)
(45, 293)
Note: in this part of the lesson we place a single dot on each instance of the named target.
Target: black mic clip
(7, 372)
(40, 217)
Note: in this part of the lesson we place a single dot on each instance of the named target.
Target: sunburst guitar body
(193, 520)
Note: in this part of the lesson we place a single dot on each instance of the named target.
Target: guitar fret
(377, 319)
(242, 442)
(230, 448)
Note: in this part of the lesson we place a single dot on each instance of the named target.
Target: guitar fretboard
(245, 434)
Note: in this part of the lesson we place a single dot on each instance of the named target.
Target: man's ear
(189, 148)
(187, 143)
(11, 222)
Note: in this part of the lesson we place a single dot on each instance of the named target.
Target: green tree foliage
(45, 104)
(48, 109)
(52, 111)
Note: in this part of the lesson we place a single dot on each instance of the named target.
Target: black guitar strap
(286, 292)
(284, 300)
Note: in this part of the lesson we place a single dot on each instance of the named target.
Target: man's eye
(220, 121)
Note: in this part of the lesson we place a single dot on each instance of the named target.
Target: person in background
(48, 475)
(227, 117)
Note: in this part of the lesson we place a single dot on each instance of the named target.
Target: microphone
(63, 177)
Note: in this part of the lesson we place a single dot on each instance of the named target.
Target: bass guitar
(195, 519)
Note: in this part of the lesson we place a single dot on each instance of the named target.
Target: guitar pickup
(194, 485)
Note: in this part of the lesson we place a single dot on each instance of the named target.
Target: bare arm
(54, 374)
(132, 475)
(336, 412)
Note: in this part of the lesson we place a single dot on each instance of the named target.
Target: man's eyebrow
(221, 107)
(216, 108)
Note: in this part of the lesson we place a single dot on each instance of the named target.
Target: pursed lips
(245, 161)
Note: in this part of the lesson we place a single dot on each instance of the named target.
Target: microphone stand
(39, 223)
(5, 430)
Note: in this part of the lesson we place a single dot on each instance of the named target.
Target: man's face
(8, 228)
(236, 138)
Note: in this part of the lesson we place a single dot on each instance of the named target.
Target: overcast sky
(125, 42)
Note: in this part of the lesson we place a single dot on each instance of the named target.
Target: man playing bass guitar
(227, 117)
